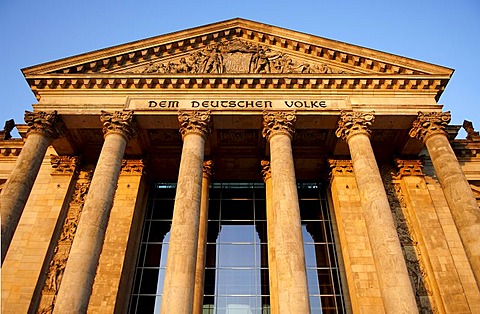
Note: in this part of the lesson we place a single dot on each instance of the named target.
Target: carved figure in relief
(212, 61)
(236, 57)
(55, 274)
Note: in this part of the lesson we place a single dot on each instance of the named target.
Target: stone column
(202, 238)
(430, 128)
(290, 255)
(395, 286)
(182, 251)
(77, 281)
(272, 269)
(43, 128)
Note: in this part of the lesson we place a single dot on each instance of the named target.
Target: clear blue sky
(443, 32)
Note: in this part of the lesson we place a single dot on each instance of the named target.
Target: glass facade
(236, 271)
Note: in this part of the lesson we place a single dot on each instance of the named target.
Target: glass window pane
(164, 211)
(237, 233)
(237, 255)
(238, 281)
(149, 281)
(152, 258)
(146, 304)
(237, 210)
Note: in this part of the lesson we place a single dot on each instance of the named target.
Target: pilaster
(34, 239)
(397, 294)
(111, 279)
(361, 274)
(430, 128)
(202, 238)
(272, 257)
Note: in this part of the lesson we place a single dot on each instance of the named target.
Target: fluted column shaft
(395, 286)
(290, 255)
(202, 239)
(430, 128)
(77, 281)
(272, 268)
(179, 282)
(43, 128)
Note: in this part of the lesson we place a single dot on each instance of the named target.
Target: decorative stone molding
(266, 171)
(341, 167)
(409, 243)
(352, 123)
(120, 122)
(61, 251)
(45, 123)
(194, 122)
(472, 135)
(64, 164)
(208, 169)
(10, 151)
(275, 122)
(409, 168)
(236, 56)
(132, 166)
(428, 124)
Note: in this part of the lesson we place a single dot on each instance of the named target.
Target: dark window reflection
(236, 274)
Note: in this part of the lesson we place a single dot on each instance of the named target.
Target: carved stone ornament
(409, 168)
(132, 166)
(120, 122)
(428, 124)
(236, 56)
(208, 169)
(266, 170)
(64, 164)
(54, 273)
(341, 167)
(194, 122)
(275, 122)
(472, 135)
(45, 123)
(351, 123)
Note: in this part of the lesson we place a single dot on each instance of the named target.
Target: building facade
(239, 167)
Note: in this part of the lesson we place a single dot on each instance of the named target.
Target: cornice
(61, 82)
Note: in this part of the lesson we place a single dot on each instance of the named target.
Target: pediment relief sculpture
(235, 56)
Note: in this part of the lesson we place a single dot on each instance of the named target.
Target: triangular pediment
(237, 46)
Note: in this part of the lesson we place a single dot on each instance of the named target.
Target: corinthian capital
(266, 171)
(352, 123)
(119, 122)
(45, 123)
(208, 169)
(428, 124)
(194, 122)
(275, 122)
